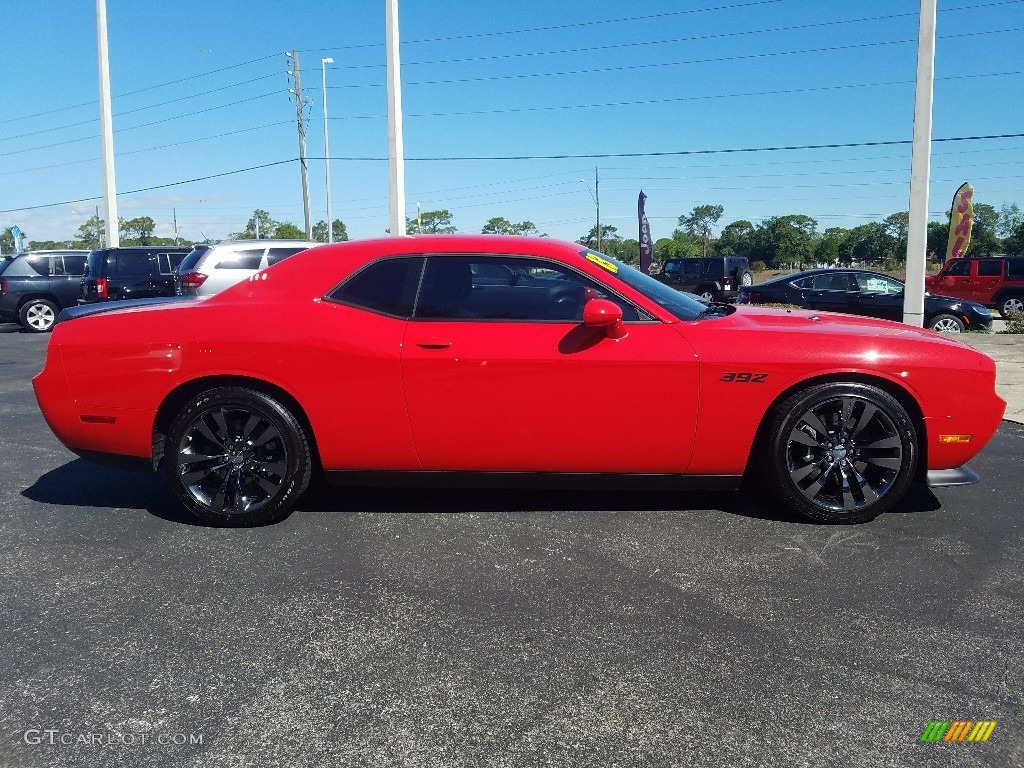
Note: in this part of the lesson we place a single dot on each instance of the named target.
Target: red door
(549, 396)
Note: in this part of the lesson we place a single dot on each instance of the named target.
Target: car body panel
(672, 395)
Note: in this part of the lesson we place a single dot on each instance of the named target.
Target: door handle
(434, 343)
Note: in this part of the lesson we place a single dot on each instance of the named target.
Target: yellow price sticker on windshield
(602, 263)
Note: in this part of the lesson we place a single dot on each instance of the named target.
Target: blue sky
(201, 89)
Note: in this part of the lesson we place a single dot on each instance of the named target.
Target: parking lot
(466, 628)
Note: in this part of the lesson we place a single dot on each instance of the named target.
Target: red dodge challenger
(507, 360)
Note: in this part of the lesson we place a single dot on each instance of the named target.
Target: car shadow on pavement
(80, 483)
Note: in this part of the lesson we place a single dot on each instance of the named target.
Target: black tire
(743, 277)
(841, 453)
(946, 324)
(1010, 304)
(236, 457)
(38, 315)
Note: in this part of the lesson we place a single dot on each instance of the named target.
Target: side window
(39, 265)
(247, 259)
(168, 262)
(1015, 268)
(714, 268)
(877, 284)
(958, 269)
(278, 254)
(74, 264)
(990, 269)
(830, 282)
(803, 283)
(387, 286)
(133, 264)
(508, 288)
(691, 267)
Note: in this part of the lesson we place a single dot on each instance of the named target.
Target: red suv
(995, 282)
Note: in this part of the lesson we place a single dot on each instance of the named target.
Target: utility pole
(597, 202)
(920, 168)
(297, 90)
(106, 128)
(175, 213)
(396, 149)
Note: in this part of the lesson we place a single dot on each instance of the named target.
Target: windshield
(679, 304)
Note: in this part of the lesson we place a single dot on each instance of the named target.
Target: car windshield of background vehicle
(670, 299)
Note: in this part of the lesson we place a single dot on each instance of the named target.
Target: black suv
(135, 272)
(36, 285)
(714, 278)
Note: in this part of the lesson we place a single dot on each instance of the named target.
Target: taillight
(3, 285)
(190, 281)
(101, 288)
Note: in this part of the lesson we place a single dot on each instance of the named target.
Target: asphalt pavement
(469, 628)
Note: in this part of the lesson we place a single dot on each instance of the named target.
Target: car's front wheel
(38, 315)
(946, 324)
(237, 457)
(841, 453)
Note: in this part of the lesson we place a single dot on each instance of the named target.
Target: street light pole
(327, 150)
(106, 128)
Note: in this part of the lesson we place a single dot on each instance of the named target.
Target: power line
(658, 65)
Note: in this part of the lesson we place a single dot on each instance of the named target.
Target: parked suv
(135, 272)
(713, 278)
(994, 281)
(36, 285)
(210, 268)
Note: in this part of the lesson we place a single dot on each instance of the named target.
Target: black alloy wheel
(237, 457)
(842, 453)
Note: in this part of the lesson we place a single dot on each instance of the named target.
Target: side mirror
(604, 314)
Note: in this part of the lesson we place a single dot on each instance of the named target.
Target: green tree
(138, 231)
(432, 223)
(499, 225)
(783, 241)
(287, 231)
(984, 240)
(260, 225)
(90, 234)
(338, 230)
(737, 239)
(938, 235)
(607, 235)
(701, 223)
(1010, 220)
(6, 241)
(869, 244)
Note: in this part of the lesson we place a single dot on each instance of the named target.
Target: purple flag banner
(646, 246)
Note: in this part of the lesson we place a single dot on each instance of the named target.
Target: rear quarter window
(1015, 268)
(387, 286)
(277, 254)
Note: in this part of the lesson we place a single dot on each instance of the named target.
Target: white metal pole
(396, 150)
(107, 128)
(327, 150)
(920, 169)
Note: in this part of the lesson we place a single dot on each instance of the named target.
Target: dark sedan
(862, 292)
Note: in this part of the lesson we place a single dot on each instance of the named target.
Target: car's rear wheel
(1010, 305)
(745, 278)
(946, 324)
(842, 453)
(38, 315)
(237, 457)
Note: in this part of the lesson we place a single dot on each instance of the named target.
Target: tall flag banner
(19, 238)
(646, 247)
(961, 221)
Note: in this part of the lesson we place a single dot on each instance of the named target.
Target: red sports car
(507, 359)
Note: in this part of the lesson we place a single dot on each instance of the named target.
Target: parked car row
(863, 292)
(35, 286)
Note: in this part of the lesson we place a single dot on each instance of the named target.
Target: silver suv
(212, 267)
